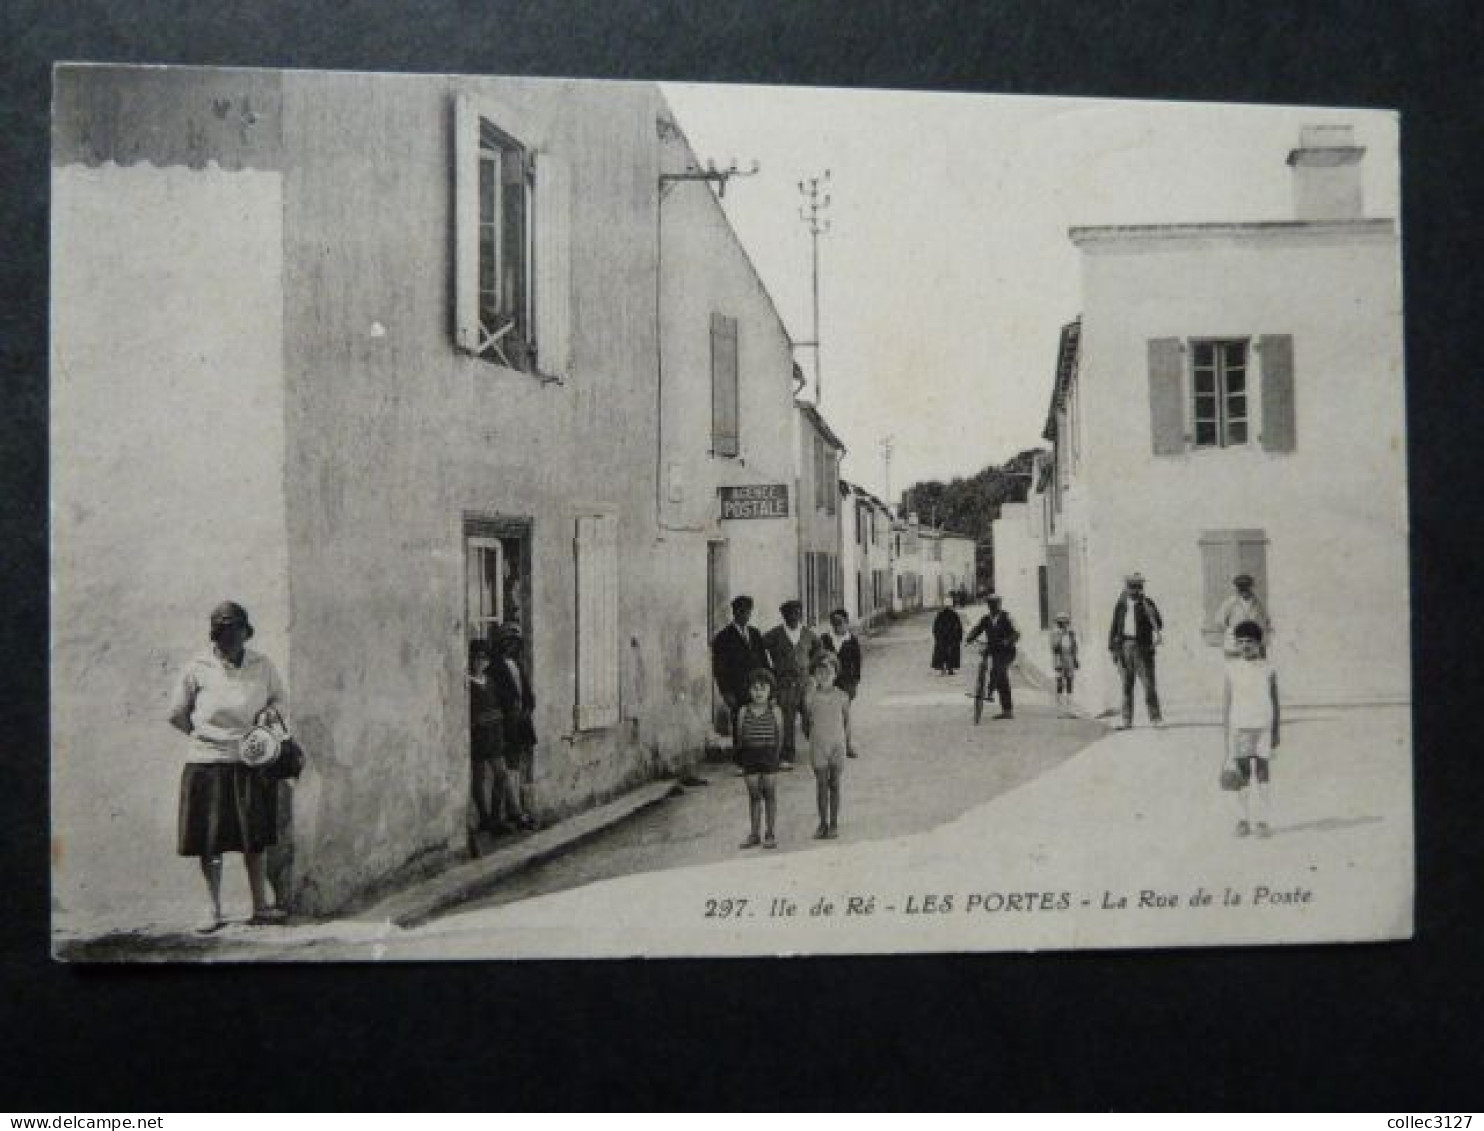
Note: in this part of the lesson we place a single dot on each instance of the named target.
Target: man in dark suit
(737, 651)
(1000, 637)
(1132, 638)
(847, 648)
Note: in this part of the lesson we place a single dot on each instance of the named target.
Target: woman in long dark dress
(948, 635)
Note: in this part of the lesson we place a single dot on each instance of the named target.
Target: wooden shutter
(552, 270)
(724, 409)
(1058, 581)
(1250, 555)
(466, 223)
(597, 622)
(1167, 396)
(1279, 431)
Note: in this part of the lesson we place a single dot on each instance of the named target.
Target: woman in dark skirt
(226, 805)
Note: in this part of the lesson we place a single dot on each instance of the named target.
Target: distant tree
(969, 506)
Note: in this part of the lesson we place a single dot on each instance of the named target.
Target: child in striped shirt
(759, 740)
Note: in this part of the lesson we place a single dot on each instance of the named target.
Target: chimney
(1326, 174)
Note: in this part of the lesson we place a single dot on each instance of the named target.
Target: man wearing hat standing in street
(1135, 633)
(1243, 605)
(792, 647)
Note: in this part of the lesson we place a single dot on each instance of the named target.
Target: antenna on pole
(816, 195)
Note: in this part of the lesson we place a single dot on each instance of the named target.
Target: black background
(1393, 1027)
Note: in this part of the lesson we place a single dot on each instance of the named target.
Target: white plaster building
(1020, 563)
(865, 555)
(389, 359)
(821, 576)
(1232, 401)
(906, 565)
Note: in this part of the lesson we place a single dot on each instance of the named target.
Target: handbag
(289, 763)
(1230, 777)
(289, 760)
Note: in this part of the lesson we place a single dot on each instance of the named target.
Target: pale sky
(947, 274)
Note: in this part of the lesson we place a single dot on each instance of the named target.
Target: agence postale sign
(762, 500)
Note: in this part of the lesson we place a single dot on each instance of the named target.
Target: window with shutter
(1279, 430)
(511, 244)
(725, 439)
(597, 622)
(1225, 554)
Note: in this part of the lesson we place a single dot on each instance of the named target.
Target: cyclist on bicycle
(1000, 638)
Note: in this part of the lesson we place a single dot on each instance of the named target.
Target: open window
(512, 243)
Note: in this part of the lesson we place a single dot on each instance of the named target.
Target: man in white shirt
(792, 647)
(1243, 605)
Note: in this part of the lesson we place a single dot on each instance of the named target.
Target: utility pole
(886, 443)
(816, 203)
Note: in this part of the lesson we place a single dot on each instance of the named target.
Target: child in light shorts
(1251, 714)
(827, 726)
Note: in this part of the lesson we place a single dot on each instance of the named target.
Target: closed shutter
(597, 621)
(724, 409)
(1279, 429)
(553, 266)
(1058, 581)
(1218, 567)
(1252, 558)
(1167, 396)
(466, 223)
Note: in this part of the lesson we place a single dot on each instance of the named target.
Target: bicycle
(981, 685)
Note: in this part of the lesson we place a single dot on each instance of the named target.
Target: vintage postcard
(513, 518)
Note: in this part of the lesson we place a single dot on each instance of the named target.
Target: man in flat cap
(1243, 605)
(736, 651)
(792, 648)
(1000, 637)
(1134, 635)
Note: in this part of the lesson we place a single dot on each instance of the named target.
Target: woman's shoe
(751, 842)
(821, 832)
(770, 841)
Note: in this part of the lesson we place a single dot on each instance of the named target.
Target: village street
(1028, 833)
(922, 763)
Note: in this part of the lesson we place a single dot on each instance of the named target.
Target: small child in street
(827, 726)
(759, 741)
(1251, 715)
(1064, 660)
